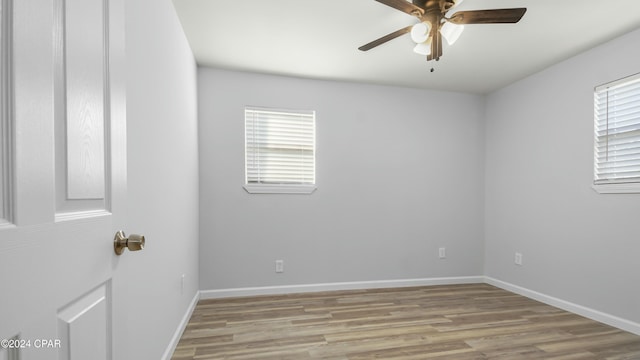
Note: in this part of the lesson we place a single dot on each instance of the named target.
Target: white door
(63, 180)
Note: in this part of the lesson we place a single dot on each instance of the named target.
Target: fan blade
(404, 6)
(385, 38)
(494, 16)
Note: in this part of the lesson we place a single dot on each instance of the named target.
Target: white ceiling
(319, 39)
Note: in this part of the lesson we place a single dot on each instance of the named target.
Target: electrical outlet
(442, 253)
(518, 259)
(279, 266)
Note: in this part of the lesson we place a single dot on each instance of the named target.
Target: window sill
(279, 189)
(631, 188)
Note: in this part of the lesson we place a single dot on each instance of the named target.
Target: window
(279, 151)
(617, 136)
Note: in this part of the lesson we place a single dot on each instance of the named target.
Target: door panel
(81, 118)
(84, 326)
(83, 64)
(63, 155)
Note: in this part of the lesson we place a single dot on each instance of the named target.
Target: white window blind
(279, 146)
(617, 132)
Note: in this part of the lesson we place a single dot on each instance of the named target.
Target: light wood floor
(461, 322)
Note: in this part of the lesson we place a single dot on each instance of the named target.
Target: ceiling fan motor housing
(438, 5)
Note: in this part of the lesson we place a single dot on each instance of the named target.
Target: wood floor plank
(452, 322)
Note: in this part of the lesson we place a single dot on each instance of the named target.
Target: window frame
(279, 188)
(613, 187)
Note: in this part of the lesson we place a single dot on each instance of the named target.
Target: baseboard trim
(592, 314)
(180, 329)
(355, 285)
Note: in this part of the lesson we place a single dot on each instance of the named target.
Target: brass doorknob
(134, 242)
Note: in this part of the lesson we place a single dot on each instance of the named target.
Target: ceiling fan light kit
(434, 24)
(451, 32)
(420, 32)
(423, 48)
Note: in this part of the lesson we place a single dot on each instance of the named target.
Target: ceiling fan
(434, 23)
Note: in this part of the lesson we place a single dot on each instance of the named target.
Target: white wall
(163, 174)
(577, 245)
(399, 174)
